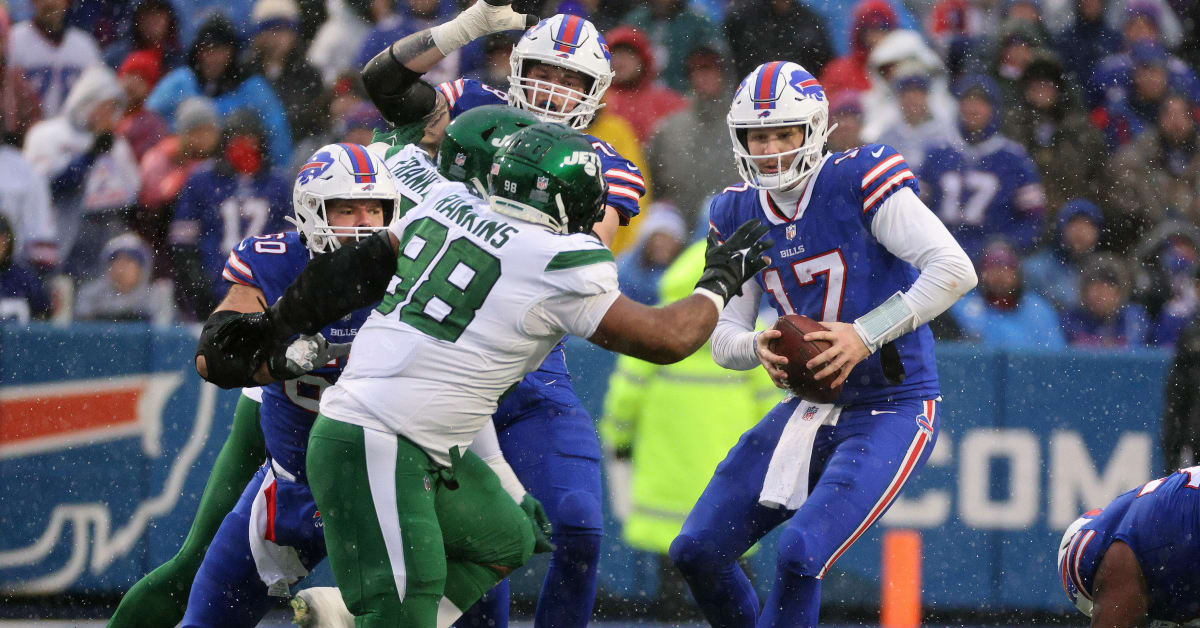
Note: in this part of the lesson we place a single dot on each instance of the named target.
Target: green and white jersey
(478, 301)
(415, 172)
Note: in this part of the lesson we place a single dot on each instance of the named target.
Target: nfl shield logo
(543, 183)
(809, 413)
(790, 232)
(460, 159)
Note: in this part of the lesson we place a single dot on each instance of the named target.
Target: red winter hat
(144, 63)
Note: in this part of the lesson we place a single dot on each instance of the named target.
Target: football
(799, 351)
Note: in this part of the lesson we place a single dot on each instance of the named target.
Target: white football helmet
(1067, 573)
(339, 171)
(776, 94)
(566, 41)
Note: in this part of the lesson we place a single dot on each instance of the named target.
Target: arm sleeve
(910, 231)
(487, 446)
(732, 342)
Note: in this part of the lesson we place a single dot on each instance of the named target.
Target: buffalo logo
(763, 114)
(806, 85)
(315, 167)
(924, 425)
(368, 187)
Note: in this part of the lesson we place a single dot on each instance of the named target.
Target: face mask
(243, 155)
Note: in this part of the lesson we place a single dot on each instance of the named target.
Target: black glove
(102, 144)
(541, 524)
(233, 345)
(527, 8)
(727, 266)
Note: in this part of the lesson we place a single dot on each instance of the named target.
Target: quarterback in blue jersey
(273, 535)
(1134, 561)
(856, 249)
(560, 70)
(986, 184)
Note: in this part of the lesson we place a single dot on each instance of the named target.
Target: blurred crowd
(143, 139)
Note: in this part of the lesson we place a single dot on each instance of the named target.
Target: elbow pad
(232, 346)
(398, 92)
(334, 285)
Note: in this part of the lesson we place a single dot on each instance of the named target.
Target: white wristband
(714, 297)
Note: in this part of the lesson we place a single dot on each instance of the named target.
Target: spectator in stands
(140, 126)
(1016, 45)
(50, 53)
(1157, 175)
(1055, 271)
(276, 55)
(899, 64)
(213, 71)
(660, 239)
(872, 20)
(413, 16)
(759, 32)
(1087, 40)
(124, 292)
(665, 429)
(956, 25)
(92, 171)
(688, 160)
(1177, 261)
(346, 96)
(20, 106)
(1050, 123)
(846, 120)
(1104, 316)
(986, 185)
(493, 68)
(1001, 312)
(1181, 414)
(1113, 78)
(166, 167)
(360, 124)
(634, 93)
(225, 201)
(23, 296)
(335, 46)
(677, 29)
(153, 28)
(25, 205)
(1189, 47)
(1128, 113)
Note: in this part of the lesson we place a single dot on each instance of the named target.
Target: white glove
(310, 352)
(481, 18)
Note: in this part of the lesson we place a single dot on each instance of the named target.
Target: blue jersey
(1160, 522)
(625, 183)
(217, 210)
(271, 263)
(826, 265)
(988, 189)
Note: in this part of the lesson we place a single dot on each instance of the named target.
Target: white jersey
(415, 173)
(25, 201)
(478, 301)
(50, 68)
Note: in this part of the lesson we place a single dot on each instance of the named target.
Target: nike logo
(877, 152)
(875, 412)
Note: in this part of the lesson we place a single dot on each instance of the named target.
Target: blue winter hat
(1079, 207)
(1145, 53)
(972, 83)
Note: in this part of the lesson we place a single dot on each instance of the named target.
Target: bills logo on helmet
(806, 84)
(316, 167)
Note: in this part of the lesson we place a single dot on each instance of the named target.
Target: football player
(474, 294)
(1133, 562)
(856, 249)
(560, 69)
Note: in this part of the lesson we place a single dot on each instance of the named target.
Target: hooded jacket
(644, 103)
(1053, 272)
(909, 54)
(231, 92)
(849, 72)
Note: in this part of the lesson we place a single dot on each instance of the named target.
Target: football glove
(303, 355)
(233, 345)
(540, 522)
(727, 266)
(481, 18)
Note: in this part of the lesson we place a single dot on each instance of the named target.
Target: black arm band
(229, 362)
(334, 285)
(397, 92)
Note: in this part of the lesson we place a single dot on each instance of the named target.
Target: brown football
(799, 351)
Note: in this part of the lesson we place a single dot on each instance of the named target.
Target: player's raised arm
(392, 77)
(671, 333)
